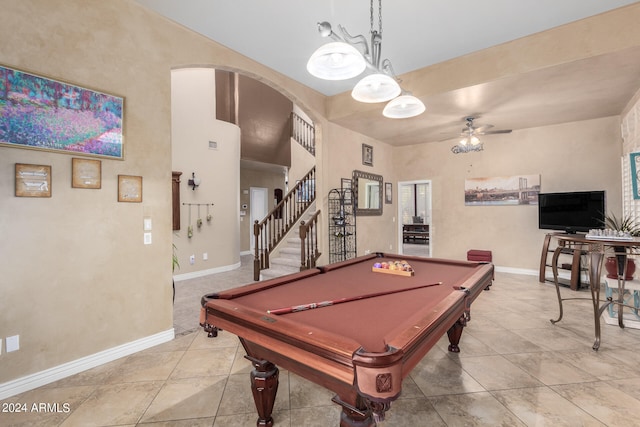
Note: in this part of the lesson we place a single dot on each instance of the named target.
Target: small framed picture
(86, 173)
(33, 180)
(367, 155)
(388, 193)
(129, 188)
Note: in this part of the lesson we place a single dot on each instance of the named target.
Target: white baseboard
(522, 271)
(32, 381)
(202, 273)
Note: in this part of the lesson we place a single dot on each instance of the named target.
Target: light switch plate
(13, 343)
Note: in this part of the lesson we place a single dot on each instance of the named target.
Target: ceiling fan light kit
(333, 61)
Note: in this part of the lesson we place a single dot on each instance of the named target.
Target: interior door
(415, 228)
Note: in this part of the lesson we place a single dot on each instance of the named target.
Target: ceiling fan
(469, 136)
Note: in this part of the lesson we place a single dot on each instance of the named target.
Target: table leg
(621, 258)
(264, 386)
(595, 264)
(358, 415)
(554, 269)
(454, 333)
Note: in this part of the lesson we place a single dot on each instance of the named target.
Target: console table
(415, 231)
(596, 248)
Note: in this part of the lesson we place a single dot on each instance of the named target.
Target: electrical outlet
(13, 343)
(205, 256)
(192, 259)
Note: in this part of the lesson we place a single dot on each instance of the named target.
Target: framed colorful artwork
(41, 113)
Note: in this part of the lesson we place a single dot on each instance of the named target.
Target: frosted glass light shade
(336, 61)
(403, 107)
(470, 139)
(376, 88)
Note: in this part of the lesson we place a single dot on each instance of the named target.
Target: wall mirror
(367, 192)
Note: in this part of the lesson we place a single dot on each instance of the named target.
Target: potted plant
(624, 224)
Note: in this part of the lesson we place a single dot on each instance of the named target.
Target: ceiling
(417, 34)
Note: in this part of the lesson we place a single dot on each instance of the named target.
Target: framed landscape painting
(37, 112)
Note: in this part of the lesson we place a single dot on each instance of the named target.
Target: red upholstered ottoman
(479, 255)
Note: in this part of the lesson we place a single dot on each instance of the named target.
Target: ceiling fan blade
(491, 132)
(483, 128)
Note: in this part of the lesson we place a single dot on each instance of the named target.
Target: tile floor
(515, 369)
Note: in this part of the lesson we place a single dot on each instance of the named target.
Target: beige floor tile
(549, 337)
(474, 409)
(440, 376)
(505, 342)
(180, 399)
(608, 404)
(180, 343)
(497, 373)
(146, 366)
(417, 412)
(224, 339)
(114, 404)
(25, 410)
(204, 363)
(94, 376)
(304, 393)
(540, 406)
(600, 363)
(194, 422)
(316, 416)
(410, 389)
(550, 368)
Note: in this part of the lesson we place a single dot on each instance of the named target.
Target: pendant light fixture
(348, 56)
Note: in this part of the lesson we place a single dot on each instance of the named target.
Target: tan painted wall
(569, 157)
(193, 109)
(342, 154)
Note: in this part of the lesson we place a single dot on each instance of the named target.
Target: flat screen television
(571, 211)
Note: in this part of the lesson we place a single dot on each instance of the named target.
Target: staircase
(286, 257)
(282, 244)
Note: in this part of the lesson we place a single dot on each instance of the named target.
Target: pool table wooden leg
(454, 333)
(264, 386)
(358, 415)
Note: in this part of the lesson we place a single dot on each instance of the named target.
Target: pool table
(360, 348)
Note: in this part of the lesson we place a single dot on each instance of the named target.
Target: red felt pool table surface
(373, 322)
(325, 344)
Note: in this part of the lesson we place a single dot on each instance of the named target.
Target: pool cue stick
(328, 303)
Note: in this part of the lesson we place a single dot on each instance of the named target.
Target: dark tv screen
(571, 211)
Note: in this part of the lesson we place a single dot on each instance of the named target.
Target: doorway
(415, 230)
(258, 209)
